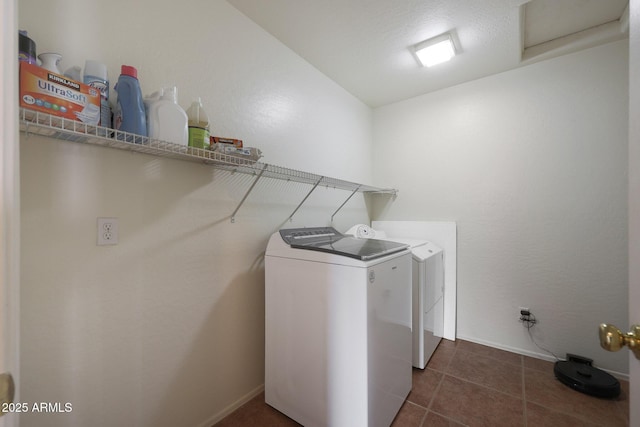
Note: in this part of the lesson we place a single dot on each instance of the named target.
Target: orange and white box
(51, 93)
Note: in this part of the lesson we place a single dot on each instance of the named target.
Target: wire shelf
(38, 123)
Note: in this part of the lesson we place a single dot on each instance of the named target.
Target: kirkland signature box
(51, 93)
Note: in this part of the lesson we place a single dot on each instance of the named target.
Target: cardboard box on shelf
(51, 93)
(220, 140)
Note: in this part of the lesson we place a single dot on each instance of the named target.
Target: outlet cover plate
(107, 231)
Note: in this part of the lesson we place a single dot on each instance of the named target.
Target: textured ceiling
(364, 45)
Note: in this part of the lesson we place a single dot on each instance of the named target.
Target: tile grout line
(493, 358)
(444, 371)
(482, 385)
(435, 393)
(455, 351)
(424, 418)
(446, 417)
(573, 414)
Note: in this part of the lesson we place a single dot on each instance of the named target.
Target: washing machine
(338, 343)
(427, 269)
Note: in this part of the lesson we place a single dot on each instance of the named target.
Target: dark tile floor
(467, 384)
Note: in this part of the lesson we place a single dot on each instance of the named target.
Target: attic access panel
(552, 28)
(546, 20)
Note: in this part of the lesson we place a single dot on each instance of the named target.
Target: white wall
(167, 327)
(532, 166)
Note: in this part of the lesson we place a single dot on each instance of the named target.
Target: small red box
(220, 140)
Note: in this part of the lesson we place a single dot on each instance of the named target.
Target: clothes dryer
(338, 343)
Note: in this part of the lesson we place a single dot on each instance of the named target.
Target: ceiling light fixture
(435, 51)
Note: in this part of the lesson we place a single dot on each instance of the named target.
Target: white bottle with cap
(167, 120)
(95, 75)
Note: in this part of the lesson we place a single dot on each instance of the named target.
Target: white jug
(50, 61)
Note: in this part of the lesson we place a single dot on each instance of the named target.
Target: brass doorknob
(7, 391)
(612, 338)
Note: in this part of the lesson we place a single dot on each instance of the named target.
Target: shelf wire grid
(38, 123)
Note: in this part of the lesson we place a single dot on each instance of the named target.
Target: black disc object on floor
(578, 373)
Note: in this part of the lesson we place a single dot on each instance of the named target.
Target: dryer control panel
(295, 235)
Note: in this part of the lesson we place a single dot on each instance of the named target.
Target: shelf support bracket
(345, 202)
(255, 181)
(305, 198)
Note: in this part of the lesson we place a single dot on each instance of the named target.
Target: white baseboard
(235, 405)
(543, 356)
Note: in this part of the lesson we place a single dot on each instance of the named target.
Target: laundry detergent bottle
(167, 120)
(129, 114)
(198, 125)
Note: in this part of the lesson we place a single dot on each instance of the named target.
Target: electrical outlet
(107, 231)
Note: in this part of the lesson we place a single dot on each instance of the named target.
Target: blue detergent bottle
(129, 115)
